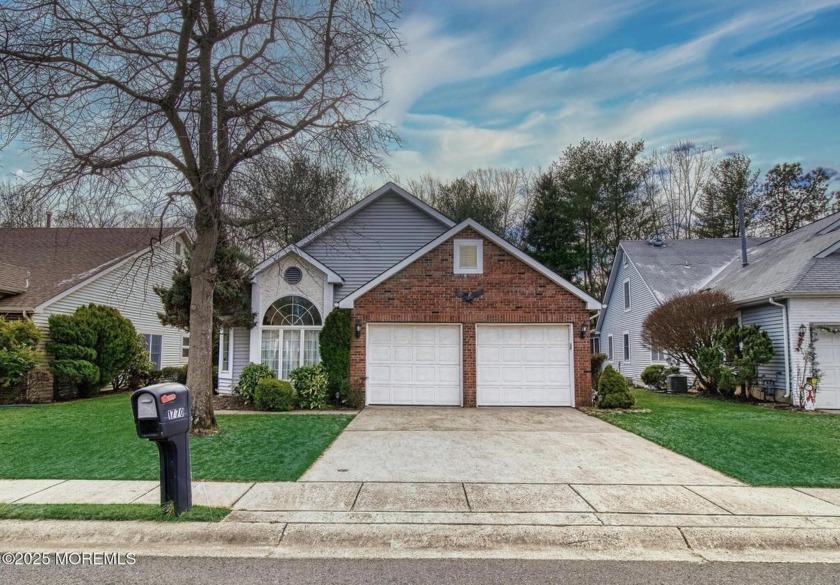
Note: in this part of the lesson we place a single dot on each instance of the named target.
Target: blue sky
(503, 83)
(512, 83)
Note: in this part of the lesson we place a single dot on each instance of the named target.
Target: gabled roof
(386, 189)
(332, 277)
(802, 262)
(591, 304)
(14, 280)
(59, 259)
(681, 266)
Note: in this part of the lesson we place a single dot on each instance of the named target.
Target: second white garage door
(828, 356)
(523, 365)
(414, 364)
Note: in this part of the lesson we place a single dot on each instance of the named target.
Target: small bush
(18, 353)
(81, 374)
(250, 377)
(174, 374)
(613, 390)
(310, 383)
(656, 375)
(334, 342)
(273, 394)
(137, 374)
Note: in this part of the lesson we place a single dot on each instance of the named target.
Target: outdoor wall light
(802, 330)
(583, 329)
(358, 329)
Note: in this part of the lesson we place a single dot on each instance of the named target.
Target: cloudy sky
(512, 83)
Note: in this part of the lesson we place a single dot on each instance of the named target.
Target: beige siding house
(70, 267)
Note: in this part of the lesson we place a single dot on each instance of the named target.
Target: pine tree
(793, 198)
(731, 180)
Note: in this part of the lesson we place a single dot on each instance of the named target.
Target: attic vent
(293, 275)
(656, 241)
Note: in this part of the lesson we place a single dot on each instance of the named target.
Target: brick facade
(424, 292)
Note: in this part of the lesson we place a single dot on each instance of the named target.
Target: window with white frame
(610, 347)
(596, 345)
(154, 347)
(626, 346)
(185, 346)
(469, 257)
(627, 295)
(658, 355)
(224, 350)
(290, 332)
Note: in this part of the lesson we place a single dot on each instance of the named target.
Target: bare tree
(425, 187)
(682, 171)
(172, 97)
(20, 207)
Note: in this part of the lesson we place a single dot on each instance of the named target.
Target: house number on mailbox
(174, 413)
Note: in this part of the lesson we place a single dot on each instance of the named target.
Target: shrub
(174, 374)
(18, 353)
(115, 340)
(334, 340)
(250, 377)
(81, 374)
(656, 376)
(310, 384)
(274, 394)
(733, 358)
(72, 354)
(613, 390)
(140, 372)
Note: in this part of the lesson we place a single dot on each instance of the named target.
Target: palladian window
(290, 330)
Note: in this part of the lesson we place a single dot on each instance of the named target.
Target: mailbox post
(162, 414)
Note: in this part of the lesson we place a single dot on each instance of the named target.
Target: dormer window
(469, 257)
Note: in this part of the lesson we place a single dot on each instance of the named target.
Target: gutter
(786, 329)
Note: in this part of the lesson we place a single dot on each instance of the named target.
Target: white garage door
(414, 364)
(523, 365)
(828, 357)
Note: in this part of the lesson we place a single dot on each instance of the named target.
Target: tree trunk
(202, 281)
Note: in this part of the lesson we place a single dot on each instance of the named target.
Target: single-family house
(48, 271)
(790, 287)
(442, 313)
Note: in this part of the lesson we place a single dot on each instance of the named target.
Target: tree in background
(170, 100)
(461, 199)
(282, 200)
(231, 299)
(731, 180)
(20, 207)
(792, 198)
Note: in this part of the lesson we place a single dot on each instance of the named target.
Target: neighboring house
(48, 271)
(790, 282)
(443, 314)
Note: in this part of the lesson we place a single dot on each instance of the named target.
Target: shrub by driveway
(753, 443)
(95, 439)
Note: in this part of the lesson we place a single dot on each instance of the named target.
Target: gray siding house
(790, 288)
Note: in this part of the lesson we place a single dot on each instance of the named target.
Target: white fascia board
(379, 193)
(133, 255)
(591, 304)
(332, 276)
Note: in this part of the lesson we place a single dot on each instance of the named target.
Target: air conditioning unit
(676, 384)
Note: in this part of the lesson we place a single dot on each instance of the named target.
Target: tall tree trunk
(202, 281)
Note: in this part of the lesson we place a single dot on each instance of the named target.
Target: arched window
(292, 311)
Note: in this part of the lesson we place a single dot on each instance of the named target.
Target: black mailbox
(162, 414)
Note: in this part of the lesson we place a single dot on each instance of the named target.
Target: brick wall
(424, 292)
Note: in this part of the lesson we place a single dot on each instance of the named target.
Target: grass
(146, 512)
(95, 439)
(755, 444)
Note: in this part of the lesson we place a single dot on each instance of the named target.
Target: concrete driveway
(499, 445)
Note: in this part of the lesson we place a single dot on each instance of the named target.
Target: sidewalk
(349, 519)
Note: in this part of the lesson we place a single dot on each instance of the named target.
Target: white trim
(424, 324)
(132, 255)
(591, 303)
(626, 348)
(625, 290)
(228, 374)
(573, 402)
(457, 244)
(332, 276)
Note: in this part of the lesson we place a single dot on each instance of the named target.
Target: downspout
(786, 330)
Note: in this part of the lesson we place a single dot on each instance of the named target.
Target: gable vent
(293, 275)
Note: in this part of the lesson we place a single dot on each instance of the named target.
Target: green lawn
(752, 443)
(145, 512)
(95, 439)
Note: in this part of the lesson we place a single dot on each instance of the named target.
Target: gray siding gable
(373, 240)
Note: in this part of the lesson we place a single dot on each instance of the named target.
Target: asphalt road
(219, 571)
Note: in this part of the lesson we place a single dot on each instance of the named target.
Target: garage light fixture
(583, 329)
(358, 329)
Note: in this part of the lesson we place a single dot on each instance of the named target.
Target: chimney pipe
(49, 219)
(743, 231)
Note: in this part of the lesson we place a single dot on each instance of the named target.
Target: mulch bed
(230, 402)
